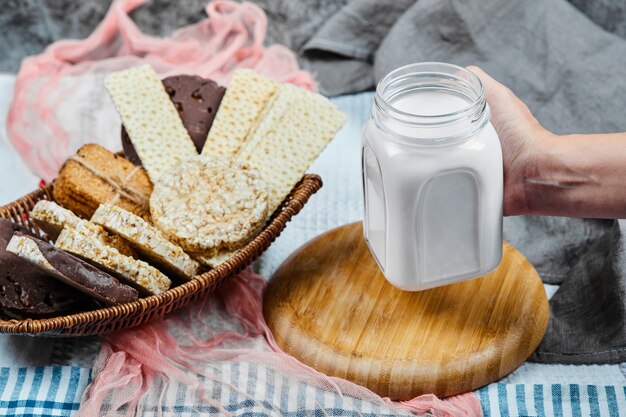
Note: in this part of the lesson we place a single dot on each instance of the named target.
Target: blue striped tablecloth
(559, 400)
(42, 391)
(56, 391)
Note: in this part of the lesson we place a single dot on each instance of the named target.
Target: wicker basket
(137, 312)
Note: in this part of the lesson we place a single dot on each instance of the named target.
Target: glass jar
(432, 178)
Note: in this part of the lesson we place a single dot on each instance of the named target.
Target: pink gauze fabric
(218, 356)
(59, 101)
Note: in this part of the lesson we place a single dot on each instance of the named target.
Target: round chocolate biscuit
(26, 291)
(196, 99)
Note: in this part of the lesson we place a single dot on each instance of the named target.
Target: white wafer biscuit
(240, 111)
(52, 218)
(147, 239)
(294, 131)
(78, 241)
(150, 118)
(209, 203)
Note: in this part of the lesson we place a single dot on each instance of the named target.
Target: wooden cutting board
(329, 306)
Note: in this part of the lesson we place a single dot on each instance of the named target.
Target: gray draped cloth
(572, 74)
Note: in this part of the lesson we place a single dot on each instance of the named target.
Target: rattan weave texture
(122, 316)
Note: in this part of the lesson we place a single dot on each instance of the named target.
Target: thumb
(506, 108)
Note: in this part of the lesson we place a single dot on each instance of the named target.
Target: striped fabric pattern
(44, 391)
(250, 389)
(56, 391)
(559, 400)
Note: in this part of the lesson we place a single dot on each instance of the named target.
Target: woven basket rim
(308, 185)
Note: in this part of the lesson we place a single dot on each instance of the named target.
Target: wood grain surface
(329, 306)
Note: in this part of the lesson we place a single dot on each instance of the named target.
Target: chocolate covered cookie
(196, 99)
(26, 291)
(71, 270)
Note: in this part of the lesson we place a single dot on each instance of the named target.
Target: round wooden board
(329, 306)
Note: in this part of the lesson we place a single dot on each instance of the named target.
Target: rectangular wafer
(248, 95)
(77, 240)
(294, 131)
(150, 118)
(147, 240)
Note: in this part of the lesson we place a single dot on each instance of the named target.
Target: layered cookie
(70, 270)
(26, 291)
(94, 176)
(196, 100)
(139, 274)
(208, 204)
(147, 240)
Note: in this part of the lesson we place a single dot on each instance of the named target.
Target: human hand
(521, 137)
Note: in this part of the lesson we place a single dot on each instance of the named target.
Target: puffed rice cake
(52, 218)
(147, 240)
(144, 277)
(208, 204)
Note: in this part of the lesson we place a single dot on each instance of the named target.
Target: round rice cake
(208, 203)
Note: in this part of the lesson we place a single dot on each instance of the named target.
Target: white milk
(432, 175)
(430, 103)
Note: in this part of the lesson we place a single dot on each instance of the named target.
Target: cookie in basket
(94, 176)
(71, 270)
(26, 291)
(145, 278)
(196, 99)
(52, 218)
(147, 240)
(215, 260)
(207, 204)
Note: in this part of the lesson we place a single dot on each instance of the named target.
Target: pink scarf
(58, 105)
(142, 368)
(59, 102)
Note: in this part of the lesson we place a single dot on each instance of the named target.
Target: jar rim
(437, 76)
(434, 68)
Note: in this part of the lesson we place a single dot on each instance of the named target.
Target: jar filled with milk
(432, 178)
